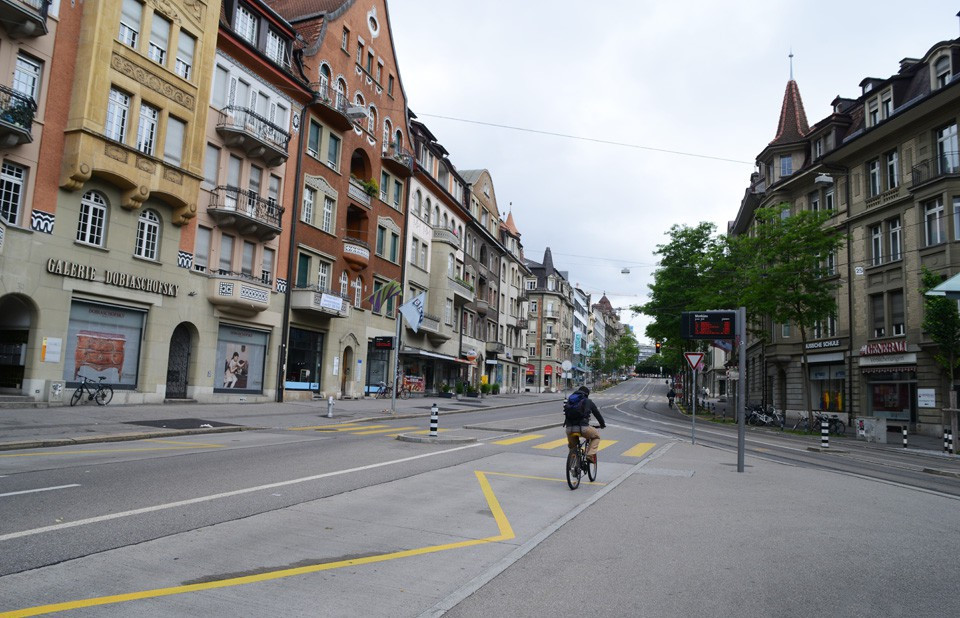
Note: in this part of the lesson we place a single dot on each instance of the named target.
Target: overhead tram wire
(589, 139)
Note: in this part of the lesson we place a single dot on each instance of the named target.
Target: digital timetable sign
(708, 324)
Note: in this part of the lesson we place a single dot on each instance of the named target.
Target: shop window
(240, 360)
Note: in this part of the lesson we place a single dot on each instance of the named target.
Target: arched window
(436, 215)
(417, 202)
(148, 235)
(93, 219)
(357, 291)
(324, 81)
(372, 120)
(426, 211)
(444, 219)
(341, 95)
(398, 139)
(386, 133)
(344, 285)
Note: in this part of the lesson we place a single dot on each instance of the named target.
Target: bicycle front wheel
(104, 395)
(404, 393)
(77, 394)
(839, 428)
(573, 470)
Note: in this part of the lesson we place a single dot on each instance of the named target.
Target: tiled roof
(510, 226)
(793, 120)
(296, 9)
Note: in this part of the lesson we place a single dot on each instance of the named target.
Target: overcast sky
(635, 83)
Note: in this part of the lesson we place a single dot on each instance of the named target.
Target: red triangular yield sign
(693, 359)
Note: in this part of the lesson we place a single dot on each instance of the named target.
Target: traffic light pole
(741, 385)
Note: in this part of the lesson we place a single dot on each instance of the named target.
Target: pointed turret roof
(548, 261)
(793, 119)
(510, 226)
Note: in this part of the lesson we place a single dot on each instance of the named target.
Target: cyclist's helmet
(584, 390)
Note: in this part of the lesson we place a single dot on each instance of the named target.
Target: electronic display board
(708, 325)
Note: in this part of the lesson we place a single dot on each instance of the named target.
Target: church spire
(793, 119)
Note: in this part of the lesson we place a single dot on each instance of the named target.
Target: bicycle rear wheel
(404, 393)
(104, 395)
(591, 470)
(77, 394)
(839, 428)
(573, 470)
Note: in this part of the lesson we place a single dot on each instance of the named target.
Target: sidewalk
(22, 428)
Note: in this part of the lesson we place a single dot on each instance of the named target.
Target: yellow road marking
(605, 443)
(540, 478)
(503, 525)
(553, 444)
(640, 449)
(519, 439)
(370, 433)
(344, 427)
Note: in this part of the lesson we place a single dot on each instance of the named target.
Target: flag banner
(724, 344)
(412, 311)
(379, 298)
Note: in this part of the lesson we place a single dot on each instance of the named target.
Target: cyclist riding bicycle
(671, 394)
(582, 426)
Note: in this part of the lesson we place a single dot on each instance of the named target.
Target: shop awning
(949, 288)
(889, 369)
(424, 353)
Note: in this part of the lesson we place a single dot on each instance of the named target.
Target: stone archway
(178, 361)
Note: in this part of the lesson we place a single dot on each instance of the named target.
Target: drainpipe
(291, 252)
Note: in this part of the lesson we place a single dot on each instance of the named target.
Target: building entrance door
(178, 363)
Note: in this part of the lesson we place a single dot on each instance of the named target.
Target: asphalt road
(353, 522)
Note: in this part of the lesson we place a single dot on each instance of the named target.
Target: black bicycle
(577, 462)
(95, 391)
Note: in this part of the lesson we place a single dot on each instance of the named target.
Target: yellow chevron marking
(519, 439)
(553, 444)
(375, 431)
(639, 450)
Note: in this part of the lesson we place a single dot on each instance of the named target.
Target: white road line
(33, 491)
(226, 494)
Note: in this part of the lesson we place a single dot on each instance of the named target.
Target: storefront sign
(887, 347)
(50, 352)
(122, 280)
(329, 301)
(889, 359)
(829, 343)
(383, 343)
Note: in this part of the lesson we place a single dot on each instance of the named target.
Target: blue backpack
(573, 409)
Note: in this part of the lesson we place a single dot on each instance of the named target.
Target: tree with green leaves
(786, 271)
(941, 321)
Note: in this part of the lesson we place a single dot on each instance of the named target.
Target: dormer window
(941, 72)
(245, 24)
(818, 148)
(786, 165)
(873, 112)
(886, 104)
(277, 49)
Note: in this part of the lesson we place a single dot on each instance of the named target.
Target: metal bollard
(330, 407)
(824, 434)
(950, 440)
(946, 444)
(904, 428)
(434, 420)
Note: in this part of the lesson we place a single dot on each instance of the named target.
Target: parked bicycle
(834, 424)
(757, 415)
(94, 391)
(384, 391)
(577, 462)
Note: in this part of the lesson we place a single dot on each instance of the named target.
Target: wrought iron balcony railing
(236, 119)
(17, 109)
(944, 164)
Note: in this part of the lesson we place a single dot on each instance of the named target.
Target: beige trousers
(587, 432)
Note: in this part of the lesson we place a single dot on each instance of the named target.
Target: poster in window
(103, 340)
(240, 360)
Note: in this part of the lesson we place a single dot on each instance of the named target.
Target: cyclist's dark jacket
(589, 408)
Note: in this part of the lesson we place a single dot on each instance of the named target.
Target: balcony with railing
(239, 292)
(549, 336)
(358, 192)
(331, 106)
(495, 347)
(24, 18)
(944, 165)
(16, 118)
(245, 210)
(258, 137)
(481, 306)
(445, 235)
(356, 253)
(398, 160)
(322, 303)
(462, 291)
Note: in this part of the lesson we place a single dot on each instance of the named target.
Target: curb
(126, 437)
(820, 449)
(938, 472)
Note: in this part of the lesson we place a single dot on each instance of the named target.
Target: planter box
(445, 395)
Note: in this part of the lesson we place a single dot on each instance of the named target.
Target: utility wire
(588, 139)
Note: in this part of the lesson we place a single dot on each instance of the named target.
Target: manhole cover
(181, 423)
